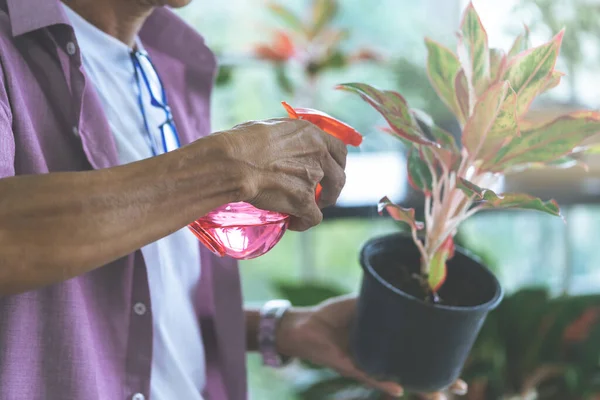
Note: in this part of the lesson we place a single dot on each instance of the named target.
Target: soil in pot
(399, 335)
(406, 277)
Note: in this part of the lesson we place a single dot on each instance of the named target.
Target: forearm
(59, 225)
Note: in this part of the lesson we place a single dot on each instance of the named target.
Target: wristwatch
(270, 315)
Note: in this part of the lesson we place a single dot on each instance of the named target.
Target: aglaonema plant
(489, 91)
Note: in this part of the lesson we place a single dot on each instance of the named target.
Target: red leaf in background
(281, 50)
(579, 329)
(365, 54)
(334, 127)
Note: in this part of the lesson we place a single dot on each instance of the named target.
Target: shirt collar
(30, 15)
(161, 31)
(89, 37)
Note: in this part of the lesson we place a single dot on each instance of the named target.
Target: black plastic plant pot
(398, 337)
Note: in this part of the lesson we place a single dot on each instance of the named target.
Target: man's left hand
(321, 334)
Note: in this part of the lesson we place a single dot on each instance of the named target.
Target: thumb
(310, 216)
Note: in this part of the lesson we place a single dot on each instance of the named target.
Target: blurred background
(546, 334)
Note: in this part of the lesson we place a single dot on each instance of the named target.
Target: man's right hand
(98, 216)
(282, 161)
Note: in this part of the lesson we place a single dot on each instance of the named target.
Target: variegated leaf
(528, 72)
(442, 67)
(441, 136)
(547, 142)
(520, 44)
(469, 188)
(493, 123)
(406, 215)
(521, 201)
(463, 96)
(438, 269)
(498, 62)
(490, 199)
(591, 149)
(419, 174)
(444, 138)
(393, 108)
(552, 81)
(449, 152)
(474, 40)
(565, 162)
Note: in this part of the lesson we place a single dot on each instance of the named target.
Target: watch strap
(270, 315)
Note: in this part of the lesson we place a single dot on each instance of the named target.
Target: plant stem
(428, 210)
(424, 256)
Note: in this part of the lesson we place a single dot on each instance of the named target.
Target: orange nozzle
(327, 123)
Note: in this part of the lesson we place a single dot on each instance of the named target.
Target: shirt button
(75, 131)
(139, 308)
(71, 49)
(138, 396)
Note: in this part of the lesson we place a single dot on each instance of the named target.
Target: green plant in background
(312, 41)
(537, 347)
(489, 91)
(581, 18)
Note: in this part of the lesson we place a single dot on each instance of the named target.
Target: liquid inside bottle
(240, 230)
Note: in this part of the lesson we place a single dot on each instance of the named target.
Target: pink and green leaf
(565, 162)
(393, 107)
(463, 96)
(448, 152)
(590, 149)
(474, 40)
(442, 67)
(520, 44)
(470, 189)
(441, 136)
(498, 61)
(419, 173)
(521, 201)
(438, 270)
(528, 72)
(552, 81)
(406, 215)
(493, 123)
(489, 199)
(548, 142)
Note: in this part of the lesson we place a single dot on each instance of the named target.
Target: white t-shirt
(173, 263)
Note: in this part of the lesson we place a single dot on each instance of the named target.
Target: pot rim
(488, 305)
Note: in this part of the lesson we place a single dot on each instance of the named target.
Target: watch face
(272, 307)
(279, 303)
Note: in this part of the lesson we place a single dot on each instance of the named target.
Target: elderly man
(104, 158)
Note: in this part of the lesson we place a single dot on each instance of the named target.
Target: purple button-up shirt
(81, 339)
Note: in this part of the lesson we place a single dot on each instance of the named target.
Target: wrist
(277, 332)
(207, 169)
(235, 165)
(287, 336)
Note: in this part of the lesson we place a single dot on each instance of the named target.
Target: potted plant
(423, 301)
